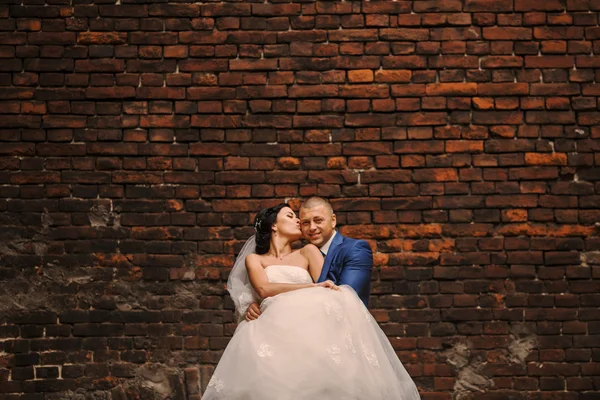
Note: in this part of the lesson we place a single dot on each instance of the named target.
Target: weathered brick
(539, 5)
(451, 89)
(101, 38)
(138, 141)
(488, 5)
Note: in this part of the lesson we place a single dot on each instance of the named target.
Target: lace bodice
(287, 274)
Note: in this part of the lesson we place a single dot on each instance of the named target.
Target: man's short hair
(317, 202)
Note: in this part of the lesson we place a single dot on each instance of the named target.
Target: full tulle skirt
(316, 344)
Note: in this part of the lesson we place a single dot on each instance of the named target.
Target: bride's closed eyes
(292, 215)
(288, 222)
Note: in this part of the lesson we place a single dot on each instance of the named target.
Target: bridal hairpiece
(257, 224)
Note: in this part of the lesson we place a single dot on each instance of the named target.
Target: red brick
(33, 177)
(360, 76)
(422, 119)
(464, 146)
(174, 10)
(588, 118)
(488, 5)
(502, 62)
(393, 76)
(507, 33)
(546, 159)
(502, 89)
(555, 89)
(386, 8)
(588, 61)
(451, 89)
(483, 103)
(404, 62)
(435, 175)
(210, 93)
(539, 5)
(404, 34)
(497, 117)
(175, 51)
(56, 121)
(550, 117)
(164, 121)
(364, 91)
(549, 61)
(101, 38)
(313, 91)
(110, 93)
(253, 65)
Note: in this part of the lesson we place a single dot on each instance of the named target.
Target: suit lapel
(337, 240)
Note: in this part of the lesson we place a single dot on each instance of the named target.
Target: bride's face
(287, 224)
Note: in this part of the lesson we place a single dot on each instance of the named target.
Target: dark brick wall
(138, 140)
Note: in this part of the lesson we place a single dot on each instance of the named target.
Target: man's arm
(356, 272)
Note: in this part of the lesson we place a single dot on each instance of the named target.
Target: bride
(313, 341)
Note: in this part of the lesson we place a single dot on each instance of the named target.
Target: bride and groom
(305, 340)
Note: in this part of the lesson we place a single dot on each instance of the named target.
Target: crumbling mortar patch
(471, 369)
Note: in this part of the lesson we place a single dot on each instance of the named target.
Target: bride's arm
(315, 260)
(264, 288)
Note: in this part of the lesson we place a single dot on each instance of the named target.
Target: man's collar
(325, 248)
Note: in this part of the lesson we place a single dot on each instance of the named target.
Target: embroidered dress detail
(370, 356)
(334, 353)
(335, 308)
(216, 383)
(265, 351)
(350, 343)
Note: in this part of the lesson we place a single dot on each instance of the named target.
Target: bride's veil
(238, 284)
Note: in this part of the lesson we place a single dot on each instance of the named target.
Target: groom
(347, 261)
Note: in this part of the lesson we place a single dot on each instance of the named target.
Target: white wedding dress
(310, 344)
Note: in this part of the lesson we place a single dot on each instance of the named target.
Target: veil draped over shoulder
(239, 286)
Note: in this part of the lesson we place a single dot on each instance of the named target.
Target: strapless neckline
(283, 265)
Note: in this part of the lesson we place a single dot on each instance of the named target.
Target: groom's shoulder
(354, 249)
(350, 242)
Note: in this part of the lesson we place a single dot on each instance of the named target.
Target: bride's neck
(280, 247)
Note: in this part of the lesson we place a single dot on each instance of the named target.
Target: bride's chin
(294, 236)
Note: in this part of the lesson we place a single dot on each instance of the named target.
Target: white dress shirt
(325, 248)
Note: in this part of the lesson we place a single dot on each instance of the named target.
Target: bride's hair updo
(263, 224)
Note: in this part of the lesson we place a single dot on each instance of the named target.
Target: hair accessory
(257, 224)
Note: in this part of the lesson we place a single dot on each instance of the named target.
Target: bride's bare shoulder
(310, 249)
(252, 259)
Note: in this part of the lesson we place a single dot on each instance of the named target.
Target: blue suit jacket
(349, 262)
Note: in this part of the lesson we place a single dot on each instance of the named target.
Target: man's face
(317, 224)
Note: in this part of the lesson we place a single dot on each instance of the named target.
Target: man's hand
(253, 312)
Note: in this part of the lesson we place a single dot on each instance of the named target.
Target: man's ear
(333, 220)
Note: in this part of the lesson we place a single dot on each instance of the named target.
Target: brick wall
(138, 140)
